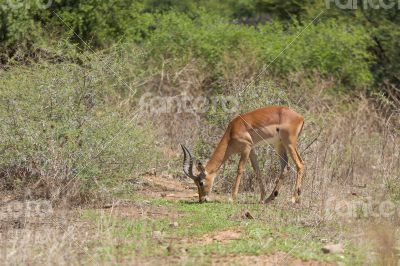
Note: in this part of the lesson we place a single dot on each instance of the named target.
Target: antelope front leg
(242, 163)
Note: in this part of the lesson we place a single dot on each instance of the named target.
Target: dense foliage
(358, 46)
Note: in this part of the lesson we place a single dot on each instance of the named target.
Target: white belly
(266, 135)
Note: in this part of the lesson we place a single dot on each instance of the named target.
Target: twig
(312, 142)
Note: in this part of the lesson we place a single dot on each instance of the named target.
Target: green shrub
(330, 48)
(393, 187)
(96, 22)
(65, 123)
(102, 23)
(181, 32)
(342, 53)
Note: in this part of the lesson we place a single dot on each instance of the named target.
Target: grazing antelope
(276, 125)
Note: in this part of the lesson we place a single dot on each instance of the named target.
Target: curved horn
(187, 163)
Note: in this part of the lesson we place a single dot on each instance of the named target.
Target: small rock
(184, 250)
(248, 215)
(157, 234)
(174, 224)
(170, 249)
(333, 248)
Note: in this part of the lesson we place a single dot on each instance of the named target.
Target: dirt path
(168, 188)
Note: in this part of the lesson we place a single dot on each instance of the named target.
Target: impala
(276, 125)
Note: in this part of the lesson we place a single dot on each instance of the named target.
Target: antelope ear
(200, 167)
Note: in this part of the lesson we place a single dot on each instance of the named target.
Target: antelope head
(201, 180)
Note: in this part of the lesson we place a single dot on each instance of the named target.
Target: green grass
(258, 237)
(394, 189)
(129, 235)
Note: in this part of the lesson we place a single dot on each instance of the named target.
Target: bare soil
(168, 188)
(221, 236)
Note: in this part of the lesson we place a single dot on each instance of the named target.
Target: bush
(342, 53)
(27, 24)
(328, 48)
(103, 22)
(64, 129)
